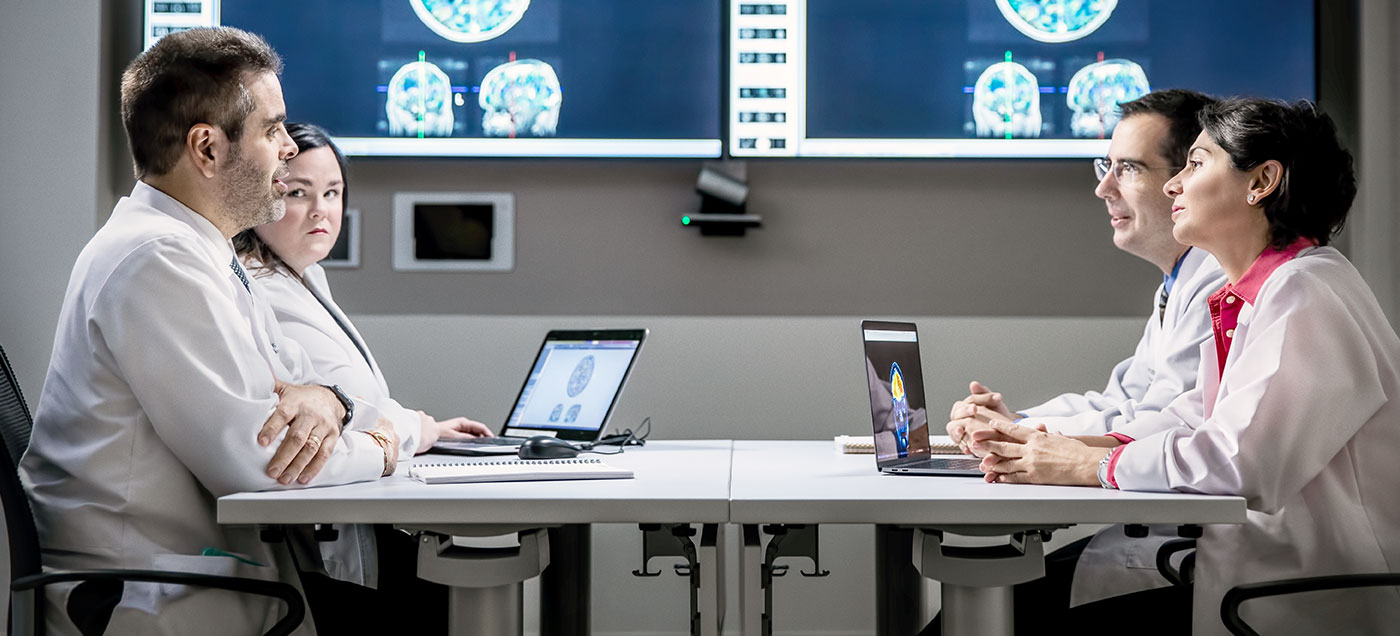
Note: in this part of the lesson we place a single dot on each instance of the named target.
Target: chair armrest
(296, 609)
(1230, 605)
(1164, 561)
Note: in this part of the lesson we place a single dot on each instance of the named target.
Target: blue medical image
(900, 401)
(554, 415)
(572, 415)
(578, 380)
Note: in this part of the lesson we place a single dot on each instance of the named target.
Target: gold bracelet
(384, 444)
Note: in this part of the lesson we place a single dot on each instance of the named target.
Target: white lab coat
(1302, 424)
(161, 375)
(1163, 367)
(308, 315)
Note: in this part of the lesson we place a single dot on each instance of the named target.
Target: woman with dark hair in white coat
(1293, 409)
(282, 257)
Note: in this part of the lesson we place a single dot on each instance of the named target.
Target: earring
(1251, 199)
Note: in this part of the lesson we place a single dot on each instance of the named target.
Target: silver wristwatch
(1103, 470)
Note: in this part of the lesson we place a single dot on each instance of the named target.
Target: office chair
(1230, 604)
(91, 603)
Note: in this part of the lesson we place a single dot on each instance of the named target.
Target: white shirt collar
(147, 194)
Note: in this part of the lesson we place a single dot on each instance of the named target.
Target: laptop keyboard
(497, 441)
(943, 463)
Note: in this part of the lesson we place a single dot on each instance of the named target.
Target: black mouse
(546, 447)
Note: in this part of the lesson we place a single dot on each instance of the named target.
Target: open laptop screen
(574, 384)
(896, 383)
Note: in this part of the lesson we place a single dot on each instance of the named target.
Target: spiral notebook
(865, 445)
(516, 470)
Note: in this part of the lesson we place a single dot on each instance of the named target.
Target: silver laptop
(569, 393)
(897, 407)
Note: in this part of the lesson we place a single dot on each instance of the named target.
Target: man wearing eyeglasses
(1149, 145)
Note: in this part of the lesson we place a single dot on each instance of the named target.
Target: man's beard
(249, 194)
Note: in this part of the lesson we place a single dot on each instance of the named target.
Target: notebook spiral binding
(528, 462)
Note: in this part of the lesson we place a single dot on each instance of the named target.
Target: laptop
(897, 407)
(569, 393)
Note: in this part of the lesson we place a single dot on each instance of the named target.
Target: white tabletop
(811, 482)
(675, 482)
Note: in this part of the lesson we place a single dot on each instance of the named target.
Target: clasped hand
(312, 416)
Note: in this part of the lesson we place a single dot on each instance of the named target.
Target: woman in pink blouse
(1292, 409)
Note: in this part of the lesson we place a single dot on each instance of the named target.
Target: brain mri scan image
(1095, 92)
(1056, 20)
(520, 99)
(578, 380)
(572, 415)
(900, 403)
(1006, 102)
(469, 20)
(420, 101)
(558, 410)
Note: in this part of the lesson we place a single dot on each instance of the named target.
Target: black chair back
(15, 425)
(15, 421)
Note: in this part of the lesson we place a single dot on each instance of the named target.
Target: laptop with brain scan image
(569, 393)
(897, 407)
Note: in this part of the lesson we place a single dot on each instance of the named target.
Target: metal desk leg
(703, 568)
(977, 581)
(710, 560)
(750, 581)
(486, 583)
(899, 590)
(565, 585)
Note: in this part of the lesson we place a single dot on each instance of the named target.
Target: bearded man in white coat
(170, 383)
(1115, 572)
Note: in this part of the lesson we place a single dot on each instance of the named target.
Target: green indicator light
(685, 220)
(1008, 56)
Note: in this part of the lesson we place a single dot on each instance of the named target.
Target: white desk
(809, 482)
(676, 482)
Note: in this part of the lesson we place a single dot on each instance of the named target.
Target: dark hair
(248, 244)
(1181, 109)
(1318, 183)
(189, 77)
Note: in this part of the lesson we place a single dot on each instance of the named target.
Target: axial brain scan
(1056, 20)
(1095, 92)
(521, 99)
(420, 101)
(1006, 102)
(469, 20)
(578, 380)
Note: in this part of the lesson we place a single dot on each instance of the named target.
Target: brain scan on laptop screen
(896, 383)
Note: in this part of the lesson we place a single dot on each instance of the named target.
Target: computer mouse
(546, 447)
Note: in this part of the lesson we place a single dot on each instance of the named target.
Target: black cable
(627, 437)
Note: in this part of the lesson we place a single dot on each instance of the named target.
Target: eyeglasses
(1125, 172)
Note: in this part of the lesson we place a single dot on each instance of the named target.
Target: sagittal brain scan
(572, 414)
(469, 20)
(558, 410)
(1095, 92)
(420, 101)
(1056, 20)
(1006, 102)
(521, 99)
(900, 402)
(578, 380)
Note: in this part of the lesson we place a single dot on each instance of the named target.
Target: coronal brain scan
(578, 380)
(521, 99)
(469, 20)
(1095, 92)
(1056, 20)
(1006, 102)
(420, 101)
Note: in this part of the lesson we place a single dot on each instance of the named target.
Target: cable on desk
(627, 437)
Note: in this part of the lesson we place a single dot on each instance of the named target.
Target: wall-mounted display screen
(992, 78)
(535, 78)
